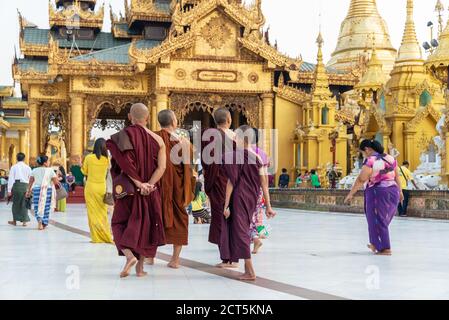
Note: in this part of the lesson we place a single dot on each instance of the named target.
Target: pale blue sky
(294, 23)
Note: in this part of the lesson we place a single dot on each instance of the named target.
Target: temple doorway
(109, 121)
(198, 116)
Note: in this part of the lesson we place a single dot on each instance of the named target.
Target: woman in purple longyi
(380, 175)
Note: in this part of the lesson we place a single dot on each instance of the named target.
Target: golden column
(4, 156)
(76, 125)
(35, 148)
(153, 111)
(267, 107)
(23, 145)
(161, 104)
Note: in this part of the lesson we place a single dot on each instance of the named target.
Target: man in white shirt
(18, 179)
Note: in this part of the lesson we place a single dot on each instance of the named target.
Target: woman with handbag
(62, 203)
(42, 187)
(95, 168)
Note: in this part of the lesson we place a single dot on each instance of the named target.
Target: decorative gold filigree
(216, 32)
(49, 90)
(93, 82)
(183, 104)
(180, 74)
(253, 77)
(129, 83)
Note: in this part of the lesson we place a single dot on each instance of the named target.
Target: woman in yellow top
(95, 169)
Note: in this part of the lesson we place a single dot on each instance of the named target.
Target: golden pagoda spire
(410, 49)
(359, 8)
(374, 77)
(362, 20)
(320, 85)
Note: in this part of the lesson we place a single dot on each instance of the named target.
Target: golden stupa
(363, 19)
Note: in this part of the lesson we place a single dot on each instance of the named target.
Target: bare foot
(13, 223)
(140, 273)
(231, 265)
(257, 245)
(173, 264)
(149, 261)
(129, 264)
(221, 265)
(247, 277)
(40, 226)
(372, 248)
(386, 252)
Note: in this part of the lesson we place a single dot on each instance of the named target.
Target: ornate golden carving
(93, 82)
(182, 104)
(129, 84)
(216, 32)
(253, 77)
(180, 74)
(117, 103)
(49, 90)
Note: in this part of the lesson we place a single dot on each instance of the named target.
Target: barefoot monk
(246, 175)
(138, 163)
(176, 185)
(215, 142)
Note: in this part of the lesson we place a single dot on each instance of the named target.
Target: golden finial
(439, 8)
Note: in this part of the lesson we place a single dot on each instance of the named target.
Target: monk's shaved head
(222, 116)
(166, 118)
(139, 112)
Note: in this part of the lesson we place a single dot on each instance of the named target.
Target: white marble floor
(308, 255)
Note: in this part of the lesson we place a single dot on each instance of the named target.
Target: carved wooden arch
(96, 103)
(59, 109)
(182, 104)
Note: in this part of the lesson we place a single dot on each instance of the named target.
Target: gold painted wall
(286, 116)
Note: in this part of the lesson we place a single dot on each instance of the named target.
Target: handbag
(108, 197)
(123, 187)
(61, 193)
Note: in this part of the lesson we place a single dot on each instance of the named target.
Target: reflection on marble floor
(317, 251)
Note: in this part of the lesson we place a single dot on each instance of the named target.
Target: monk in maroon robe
(176, 185)
(138, 154)
(246, 175)
(215, 142)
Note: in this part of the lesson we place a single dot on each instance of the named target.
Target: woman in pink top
(380, 174)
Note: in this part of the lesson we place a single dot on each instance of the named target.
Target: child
(199, 211)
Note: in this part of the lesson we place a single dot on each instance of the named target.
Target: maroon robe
(215, 185)
(137, 220)
(177, 186)
(235, 240)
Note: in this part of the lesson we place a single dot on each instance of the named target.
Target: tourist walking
(257, 219)
(95, 168)
(382, 194)
(406, 177)
(19, 177)
(41, 187)
(62, 177)
(246, 175)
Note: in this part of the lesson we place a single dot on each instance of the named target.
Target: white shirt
(19, 171)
